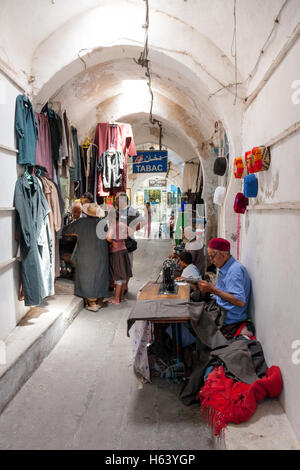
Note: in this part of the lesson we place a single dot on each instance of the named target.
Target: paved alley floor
(85, 394)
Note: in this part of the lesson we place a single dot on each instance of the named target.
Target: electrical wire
(262, 51)
(144, 62)
(234, 54)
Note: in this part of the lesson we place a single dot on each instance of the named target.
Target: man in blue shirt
(232, 289)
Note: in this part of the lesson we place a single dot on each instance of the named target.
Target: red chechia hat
(219, 244)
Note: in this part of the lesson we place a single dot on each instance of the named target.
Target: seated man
(189, 270)
(232, 289)
(195, 247)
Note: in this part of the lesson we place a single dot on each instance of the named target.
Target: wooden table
(151, 292)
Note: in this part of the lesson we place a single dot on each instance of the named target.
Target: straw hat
(93, 210)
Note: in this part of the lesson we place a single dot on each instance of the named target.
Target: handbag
(131, 244)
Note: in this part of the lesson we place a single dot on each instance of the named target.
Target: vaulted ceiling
(81, 53)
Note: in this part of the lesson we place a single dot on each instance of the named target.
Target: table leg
(174, 339)
(179, 343)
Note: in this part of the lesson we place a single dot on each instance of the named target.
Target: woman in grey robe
(92, 262)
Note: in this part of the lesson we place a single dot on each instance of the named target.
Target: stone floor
(86, 396)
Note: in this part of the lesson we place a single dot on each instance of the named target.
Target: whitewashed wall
(11, 309)
(270, 238)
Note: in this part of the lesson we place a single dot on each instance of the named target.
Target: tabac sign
(151, 161)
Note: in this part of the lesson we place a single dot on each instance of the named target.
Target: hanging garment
(111, 164)
(92, 266)
(89, 169)
(120, 137)
(55, 219)
(26, 131)
(47, 260)
(35, 241)
(190, 177)
(75, 170)
(43, 155)
(69, 141)
(55, 124)
(64, 137)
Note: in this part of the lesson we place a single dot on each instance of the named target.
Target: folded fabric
(220, 166)
(250, 186)
(240, 203)
(225, 401)
(239, 169)
(219, 195)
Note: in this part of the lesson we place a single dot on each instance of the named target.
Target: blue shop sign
(151, 161)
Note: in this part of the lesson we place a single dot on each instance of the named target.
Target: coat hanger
(39, 171)
(86, 144)
(51, 112)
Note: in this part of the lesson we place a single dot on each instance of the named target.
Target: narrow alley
(85, 394)
(151, 144)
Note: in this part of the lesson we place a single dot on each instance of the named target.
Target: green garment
(35, 240)
(180, 224)
(26, 131)
(92, 263)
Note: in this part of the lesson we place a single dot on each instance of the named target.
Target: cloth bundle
(224, 400)
(231, 376)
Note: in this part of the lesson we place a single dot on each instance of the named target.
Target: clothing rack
(8, 262)
(275, 206)
(9, 149)
(284, 134)
(7, 209)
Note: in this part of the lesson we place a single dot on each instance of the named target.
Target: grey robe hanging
(35, 240)
(92, 266)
